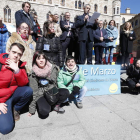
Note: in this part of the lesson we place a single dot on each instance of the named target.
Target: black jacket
(52, 49)
(85, 28)
(126, 44)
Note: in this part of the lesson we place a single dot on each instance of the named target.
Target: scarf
(72, 71)
(43, 73)
(111, 27)
(127, 32)
(24, 36)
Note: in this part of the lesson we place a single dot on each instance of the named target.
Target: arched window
(136, 22)
(32, 0)
(132, 24)
(63, 2)
(95, 8)
(75, 4)
(79, 4)
(62, 16)
(123, 20)
(118, 10)
(114, 11)
(7, 14)
(50, 1)
(105, 10)
(49, 13)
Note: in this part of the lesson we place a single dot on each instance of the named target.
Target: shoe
(16, 115)
(79, 105)
(59, 109)
(66, 104)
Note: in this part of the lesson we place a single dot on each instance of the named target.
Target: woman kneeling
(43, 78)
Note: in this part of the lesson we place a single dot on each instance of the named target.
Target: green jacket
(64, 77)
(37, 90)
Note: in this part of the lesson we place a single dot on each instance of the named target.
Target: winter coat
(37, 90)
(52, 49)
(111, 33)
(4, 35)
(9, 81)
(57, 30)
(64, 77)
(97, 35)
(133, 73)
(126, 44)
(29, 45)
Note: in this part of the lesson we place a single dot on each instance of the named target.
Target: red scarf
(24, 36)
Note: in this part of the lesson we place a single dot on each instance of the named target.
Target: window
(7, 14)
(32, 0)
(62, 16)
(79, 4)
(50, 1)
(123, 20)
(75, 4)
(49, 13)
(95, 8)
(63, 2)
(105, 10)
(114, 10)
(118, 10)
(136, 22)
(132, 24)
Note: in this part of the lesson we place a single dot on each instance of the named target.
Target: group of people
(32, 62)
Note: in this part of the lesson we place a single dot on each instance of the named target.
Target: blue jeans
(79, 97)
(107, 53)
(18, 100)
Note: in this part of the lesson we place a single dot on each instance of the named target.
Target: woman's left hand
(138, 85)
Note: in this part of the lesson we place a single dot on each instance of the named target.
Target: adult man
(24, 16)
(56, 18)
(14, 93)
(100, 35)
(66, 37)
(85, 36)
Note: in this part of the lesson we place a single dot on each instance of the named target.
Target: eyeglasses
(24, 28)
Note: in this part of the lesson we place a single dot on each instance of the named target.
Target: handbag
(52, 95)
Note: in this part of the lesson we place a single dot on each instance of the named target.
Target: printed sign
(101, 79)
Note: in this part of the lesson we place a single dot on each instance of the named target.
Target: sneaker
(79, 105)
(59, 109)
(16, 115)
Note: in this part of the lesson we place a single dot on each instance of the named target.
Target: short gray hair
(86, 5)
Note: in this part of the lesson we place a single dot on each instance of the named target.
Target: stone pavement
(107, 117)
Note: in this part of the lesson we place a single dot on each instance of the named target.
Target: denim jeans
(107, 53)
(79, 97)
(18, 100)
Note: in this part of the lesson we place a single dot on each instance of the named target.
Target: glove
(76, 90)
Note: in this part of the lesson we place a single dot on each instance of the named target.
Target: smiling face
(41, 62)
(67, 16)
(51, 28)
(111, 23)
(70, 63)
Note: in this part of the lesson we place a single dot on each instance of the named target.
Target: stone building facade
(109, 9)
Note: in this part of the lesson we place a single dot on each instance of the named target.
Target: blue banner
(102, 79)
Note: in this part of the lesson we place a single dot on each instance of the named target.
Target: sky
(134, 5)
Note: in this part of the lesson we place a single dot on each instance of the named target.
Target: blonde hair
(130, 28)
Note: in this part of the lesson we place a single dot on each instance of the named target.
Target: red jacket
(10, 81)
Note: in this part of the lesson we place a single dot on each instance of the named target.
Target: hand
(39, 35)
(110, 38)
(29, 114)
(131, 38)
(101, 38)
(66, 26)
(31, 32)
(86, 17)
(12, 65)
(3, 108)
(138, 85)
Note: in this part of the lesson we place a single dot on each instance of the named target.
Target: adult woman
(127, 36)
(72, 78)
(23, 37)
(133, 72)
(112, 32)
(57, 28)
(50, 44)
(43, 78)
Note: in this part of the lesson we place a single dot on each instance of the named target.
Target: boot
(59, 109)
